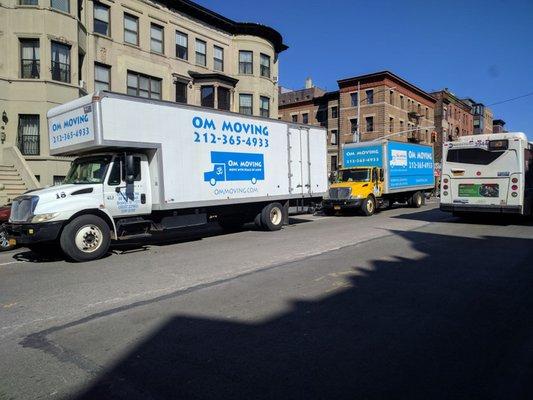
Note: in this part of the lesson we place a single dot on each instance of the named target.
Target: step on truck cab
(377, 174)
(488, 174)
(145, 166)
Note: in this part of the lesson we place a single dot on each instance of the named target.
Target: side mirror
(130, 173)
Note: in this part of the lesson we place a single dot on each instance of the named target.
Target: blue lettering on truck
(368, 156)
(410, 165)
(235, 167)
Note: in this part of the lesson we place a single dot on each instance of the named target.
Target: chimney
(308, 83)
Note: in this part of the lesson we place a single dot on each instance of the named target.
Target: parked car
(5, 212)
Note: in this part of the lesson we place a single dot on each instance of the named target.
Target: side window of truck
(118, 172)
(114, 175)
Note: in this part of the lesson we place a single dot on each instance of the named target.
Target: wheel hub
(89, 238)
(275, 216)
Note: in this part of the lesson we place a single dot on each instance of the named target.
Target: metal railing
(29, 145)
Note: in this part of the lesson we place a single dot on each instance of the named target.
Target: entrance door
(121, 199)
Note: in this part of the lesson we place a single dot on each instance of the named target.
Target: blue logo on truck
(235, 167)
(368, 156)
(410, 165)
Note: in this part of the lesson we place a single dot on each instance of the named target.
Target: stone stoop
(11, 183)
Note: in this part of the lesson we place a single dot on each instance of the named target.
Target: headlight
(43, 217)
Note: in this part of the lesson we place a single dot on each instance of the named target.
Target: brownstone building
(388, 106)
(453, 118)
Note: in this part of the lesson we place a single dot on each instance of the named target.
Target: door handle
(143, 198)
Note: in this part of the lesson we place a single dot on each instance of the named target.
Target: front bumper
(33, 233)
(342, 203)
(481, 208)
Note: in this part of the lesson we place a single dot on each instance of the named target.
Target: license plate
(336, 207)
(12, 242)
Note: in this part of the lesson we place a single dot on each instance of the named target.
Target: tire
(231, 224)
(368, 207)
(4, 241)
(417, 200)
(85, 238)
(272, 217)
(257, 221)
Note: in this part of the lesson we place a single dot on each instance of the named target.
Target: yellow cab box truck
(378, 174)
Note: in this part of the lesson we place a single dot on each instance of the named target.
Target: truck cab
(99, 188)
(355, 188)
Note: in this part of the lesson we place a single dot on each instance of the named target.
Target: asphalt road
(405, 304)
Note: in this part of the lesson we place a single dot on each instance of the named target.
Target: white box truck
(488, 173)
(379, 173)
(145, 166)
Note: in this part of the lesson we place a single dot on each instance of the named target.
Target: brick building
(482, 117)
(453, 118)
(388, 105)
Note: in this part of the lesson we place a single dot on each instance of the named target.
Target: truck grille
(22, 208)
(340, 193)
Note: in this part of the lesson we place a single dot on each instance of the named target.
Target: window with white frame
(143, 85)
(156, 38)
(131, 29)
(246, 104)
(201, 53)
(246, 63)
(182, 45)
(218, 58)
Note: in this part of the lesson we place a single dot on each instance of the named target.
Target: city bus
(488, 173)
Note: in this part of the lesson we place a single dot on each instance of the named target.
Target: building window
(391, 97)
(28, 134)
(353, 99)
(391, 124)
(60, 62)
(265, 65)
(334, 136)
(246, 62)
(370, 96)
(334, 163)
(182, 45)
(334, 112)
(102, 77)
(207, 94)
(156, 38)
(245, 104)
(427, 114)
(101, 19)
(30, 64)
(305, 118)
(223, 98)
(61, 5)
(29, 2)
(353, 125)
(143, 86)
(201, 53)
(369, 124)
(294, 118)
(401, 102)
(264, 107)
(218, 59)
(401, 126)
(131, 29)
(58, 179)
(181, 92)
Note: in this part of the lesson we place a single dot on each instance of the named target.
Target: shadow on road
(453, 323)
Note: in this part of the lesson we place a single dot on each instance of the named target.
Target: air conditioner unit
(83, 84)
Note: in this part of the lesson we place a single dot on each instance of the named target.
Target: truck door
(122, 199)
(298, 140)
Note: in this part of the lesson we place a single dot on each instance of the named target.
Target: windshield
(88, 170)
(354, 175)
(473, 156)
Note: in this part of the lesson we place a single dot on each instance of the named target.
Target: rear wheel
(417, 200)
(272, 217)
(368, 207)
(4, 241)
(86, 238)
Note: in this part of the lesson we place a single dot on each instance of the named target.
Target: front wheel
(368, 207)
(417, 200)
(86, 238)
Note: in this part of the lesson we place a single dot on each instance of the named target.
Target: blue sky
(477, 49)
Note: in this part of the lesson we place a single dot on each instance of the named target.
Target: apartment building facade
(483, 117)
(453, 118)
(54, 51)
(387, 106)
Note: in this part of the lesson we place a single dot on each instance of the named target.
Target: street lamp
(357, 133)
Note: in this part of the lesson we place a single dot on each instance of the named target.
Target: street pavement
(405, 304)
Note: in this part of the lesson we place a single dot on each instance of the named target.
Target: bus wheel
(272, 217)
(86, 238)
(417, 200)
(368, 207)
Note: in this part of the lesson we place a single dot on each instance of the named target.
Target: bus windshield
(473, 156)
(88, 170)
(354, 175)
